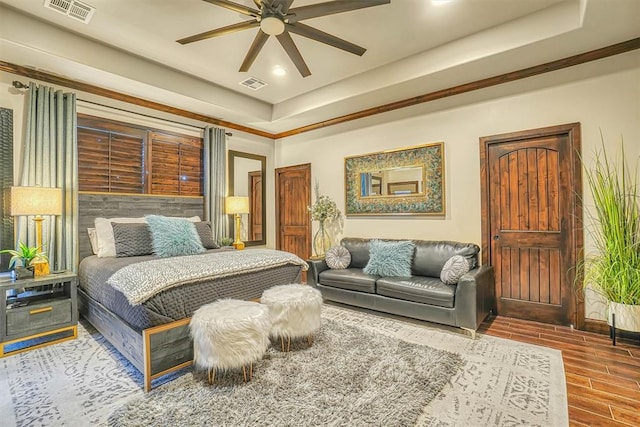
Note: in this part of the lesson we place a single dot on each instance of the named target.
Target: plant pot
(23, 273)
(627, 316)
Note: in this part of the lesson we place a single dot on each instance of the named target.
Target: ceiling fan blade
(329, 8)
(290, 47)
(326, 38)
(235, 7)
(254, 50)
(220, 31)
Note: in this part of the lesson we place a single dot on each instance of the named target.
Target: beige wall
(609, 102)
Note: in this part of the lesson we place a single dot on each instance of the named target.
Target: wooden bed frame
(155, 351)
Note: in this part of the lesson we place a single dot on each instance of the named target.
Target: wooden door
(255, 205)
(293, 195)
(531, 222)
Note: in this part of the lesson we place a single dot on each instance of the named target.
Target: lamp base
(238, 245)
(40, 267)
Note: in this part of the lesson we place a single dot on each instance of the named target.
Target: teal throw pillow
(173, 236)
(390, 258)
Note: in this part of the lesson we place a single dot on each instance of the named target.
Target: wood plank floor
(603, 381)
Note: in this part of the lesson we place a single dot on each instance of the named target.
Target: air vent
(253, 83)
(72, 8)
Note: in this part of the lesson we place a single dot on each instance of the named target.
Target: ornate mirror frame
(428, 197)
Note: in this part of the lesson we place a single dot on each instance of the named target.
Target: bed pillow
(338, 258)
(206, 236)
(132, 239)
(174, 236)
(93, 239)
(455, 267)
(104, 233)
(390, 258)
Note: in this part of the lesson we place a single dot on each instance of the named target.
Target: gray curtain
(50, 159)
(215, 181)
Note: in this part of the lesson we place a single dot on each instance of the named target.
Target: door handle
(496, 237)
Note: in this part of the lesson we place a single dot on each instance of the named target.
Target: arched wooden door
(293, 195)
(532, 222)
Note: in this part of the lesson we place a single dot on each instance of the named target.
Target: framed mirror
(408, 181)
(247, 178)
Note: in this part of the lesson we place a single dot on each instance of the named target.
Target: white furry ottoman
(229, 334)
(294, 311)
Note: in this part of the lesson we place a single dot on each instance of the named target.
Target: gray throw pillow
(206, 236)
(338, 258)
(132, 239)
(455, 267)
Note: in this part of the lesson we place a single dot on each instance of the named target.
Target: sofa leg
(472, 332)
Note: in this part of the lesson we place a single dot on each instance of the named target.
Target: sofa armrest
(316, 266)
(475, 297)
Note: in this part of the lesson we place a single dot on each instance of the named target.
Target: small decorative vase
(321, 241)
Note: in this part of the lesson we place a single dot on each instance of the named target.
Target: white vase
(627, 316)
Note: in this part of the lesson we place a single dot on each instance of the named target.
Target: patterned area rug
(85, 381)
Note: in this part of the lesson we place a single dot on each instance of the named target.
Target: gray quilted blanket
(141, 281)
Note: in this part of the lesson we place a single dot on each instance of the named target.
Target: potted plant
(26, 255)
(323, 210)
(613, 270)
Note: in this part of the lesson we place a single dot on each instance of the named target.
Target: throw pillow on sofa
(455, 267)
(338, 258)
(390, 258)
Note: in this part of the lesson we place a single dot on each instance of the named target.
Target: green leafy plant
(324, 208)
(226, 241)
(614, 269)
(25, 254)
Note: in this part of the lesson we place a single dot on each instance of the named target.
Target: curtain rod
(19, 85)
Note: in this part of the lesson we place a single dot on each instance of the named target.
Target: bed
(151, 328)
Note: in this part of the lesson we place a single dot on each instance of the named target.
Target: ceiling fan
(276, 18)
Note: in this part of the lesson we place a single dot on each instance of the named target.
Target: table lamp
(237, 205)
(36, 201)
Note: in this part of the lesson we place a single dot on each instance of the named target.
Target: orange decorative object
(40, 267)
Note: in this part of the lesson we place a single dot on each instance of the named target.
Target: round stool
(229, 334)
(294, 311)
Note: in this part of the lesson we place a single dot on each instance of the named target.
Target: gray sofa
(423, 295)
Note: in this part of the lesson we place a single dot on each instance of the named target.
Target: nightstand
(38, 311)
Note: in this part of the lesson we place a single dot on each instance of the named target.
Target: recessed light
(439, 2)
(278, 70)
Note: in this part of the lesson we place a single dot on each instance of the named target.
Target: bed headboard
(91, 206)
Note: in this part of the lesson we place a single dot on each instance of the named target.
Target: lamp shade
(35, 201)
(236, 205)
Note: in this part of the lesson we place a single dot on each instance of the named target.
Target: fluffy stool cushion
(294, 310)
(229, 334)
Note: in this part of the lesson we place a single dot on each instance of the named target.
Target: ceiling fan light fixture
(272, 26)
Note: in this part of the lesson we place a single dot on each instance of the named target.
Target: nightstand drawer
(38, 317)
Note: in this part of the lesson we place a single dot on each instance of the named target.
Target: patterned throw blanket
(141, 281)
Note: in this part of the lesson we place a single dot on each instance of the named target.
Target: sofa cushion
(426, 290)
(338, 258)
(359, 250)
(350, 278)
(430, 256)
(388, 258)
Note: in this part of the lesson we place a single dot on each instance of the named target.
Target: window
(116, 157)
